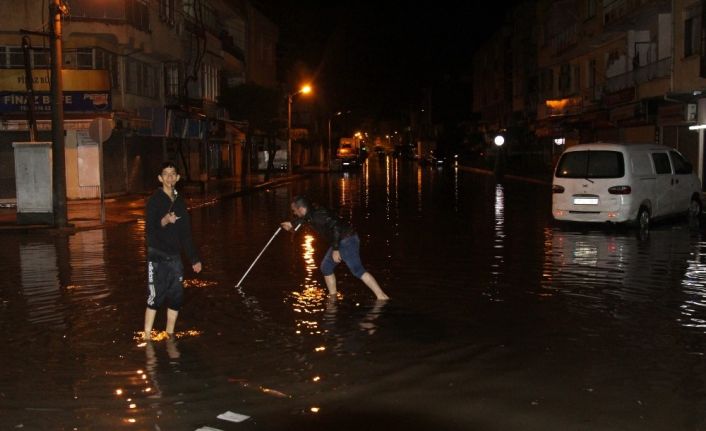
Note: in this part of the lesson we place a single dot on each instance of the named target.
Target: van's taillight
(557, 189)
(620, 190)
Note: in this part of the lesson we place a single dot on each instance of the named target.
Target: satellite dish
(100, 129)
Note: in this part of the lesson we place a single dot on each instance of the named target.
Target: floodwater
(499, 319)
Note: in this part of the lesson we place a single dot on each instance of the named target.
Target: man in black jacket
(345, 244)
(168, 232)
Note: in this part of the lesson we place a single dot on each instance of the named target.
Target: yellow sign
(74, 80)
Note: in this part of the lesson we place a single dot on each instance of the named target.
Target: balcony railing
(133, 12)
(230, 47)
(619, 8)
(566, 38)
(659, 69)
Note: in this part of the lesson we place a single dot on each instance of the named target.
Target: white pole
(701, 157)
(263, 250)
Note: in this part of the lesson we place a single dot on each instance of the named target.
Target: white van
(603, 182)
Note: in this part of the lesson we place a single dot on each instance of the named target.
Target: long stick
(263, 250)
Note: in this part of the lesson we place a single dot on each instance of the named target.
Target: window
(13, 57)
(107, 60)
(79, 58)
(41, 58)
(548, 82)
(166, 11)
(140, 79)
(171, 80)
(591, 164)
(16, 58)
(591, 75)
(564, 78)
(188, 7)
(97, 9)
(661, 161)
(681, 166)
(210, 86)
(137, 13)
(692, 31)
(590, 9)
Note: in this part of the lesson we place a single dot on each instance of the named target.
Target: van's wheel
(643, 218)
(695, 209)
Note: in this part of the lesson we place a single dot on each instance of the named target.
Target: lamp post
(304, 90)
(337, 114)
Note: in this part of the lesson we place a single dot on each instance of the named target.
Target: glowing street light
(306, 89)
(499, 140)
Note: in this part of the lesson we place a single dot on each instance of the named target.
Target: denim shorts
(349, 247)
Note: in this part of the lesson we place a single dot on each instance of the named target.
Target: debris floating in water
(232, 416)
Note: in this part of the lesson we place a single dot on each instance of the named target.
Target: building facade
(611, 70)
(152, 69)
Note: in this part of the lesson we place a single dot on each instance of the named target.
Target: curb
(506, 176)
(15, 228)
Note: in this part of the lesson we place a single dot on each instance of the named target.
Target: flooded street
(499, 319)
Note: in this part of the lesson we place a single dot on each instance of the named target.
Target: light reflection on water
(693, 309)
(628, 276)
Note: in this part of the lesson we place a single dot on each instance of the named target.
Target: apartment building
(626, 70)
(152, 69)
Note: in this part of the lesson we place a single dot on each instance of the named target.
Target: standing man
(168, 232)
(345, 244)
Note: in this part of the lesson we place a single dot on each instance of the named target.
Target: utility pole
(56, 10)
(289, 134)
(29, 84)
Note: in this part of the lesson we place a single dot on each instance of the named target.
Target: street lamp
(306, 89)
(330, 119)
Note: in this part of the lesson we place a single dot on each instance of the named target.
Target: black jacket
(173, 237)
(326, 224)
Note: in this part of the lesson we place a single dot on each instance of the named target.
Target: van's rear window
(591, 164)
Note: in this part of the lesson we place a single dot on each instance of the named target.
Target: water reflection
(419, 189)
(308, 303)
(39, 276)
(456, 186)
(60, 270)
(366, 190)
(497, 264)
(87, 262)
(607, 270)
(693, 308)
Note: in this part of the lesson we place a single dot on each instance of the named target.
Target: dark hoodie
(170, 239)
(325, 224)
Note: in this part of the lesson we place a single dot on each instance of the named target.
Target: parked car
(610, 182)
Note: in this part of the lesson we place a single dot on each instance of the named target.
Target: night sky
(375, 58)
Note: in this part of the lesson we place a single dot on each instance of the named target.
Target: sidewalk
(84, 214)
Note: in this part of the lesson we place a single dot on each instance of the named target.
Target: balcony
(639, 11)
(131, 12)
(566, 39)
(656, 70)
(230, 47)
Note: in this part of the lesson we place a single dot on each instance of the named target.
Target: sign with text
(74, 101)
(13, 80)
